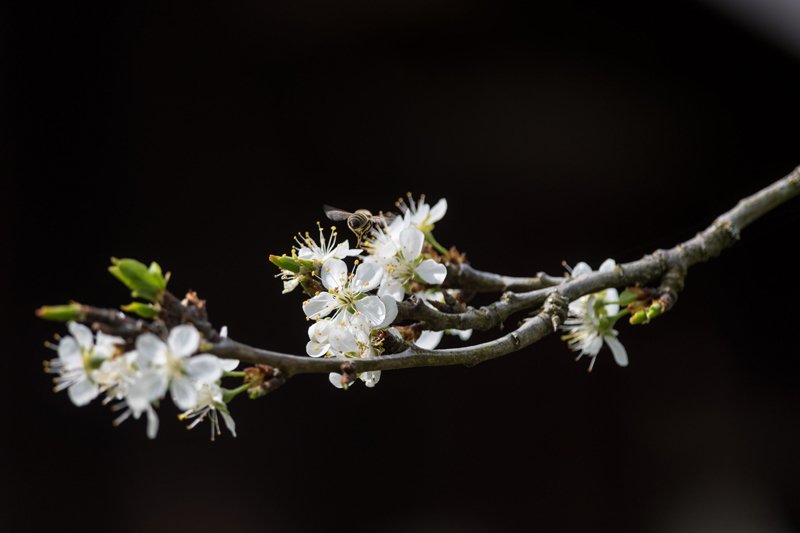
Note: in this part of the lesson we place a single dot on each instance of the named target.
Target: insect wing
(336, 214)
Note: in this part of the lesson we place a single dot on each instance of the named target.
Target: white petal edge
(411, 240)
(183, 392)
(437, 211)
(82, 334)
(429, 340)
(373, 310)
(431, 272)
(620, 354)
(367, 277)
(183, 340)
(204, 368)
(336, 379)
(333, 274)
(320, 305)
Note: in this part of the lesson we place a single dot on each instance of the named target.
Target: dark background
(203, 137)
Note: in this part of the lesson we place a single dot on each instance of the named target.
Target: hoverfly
(360, 222)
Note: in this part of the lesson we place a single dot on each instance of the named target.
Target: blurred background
(205, 136)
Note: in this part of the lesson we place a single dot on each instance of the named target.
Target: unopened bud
(639, 317)
(60, 313)
(654, 310)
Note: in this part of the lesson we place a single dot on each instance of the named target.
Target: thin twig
(705, 245)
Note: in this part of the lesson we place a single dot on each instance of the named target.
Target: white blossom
(210, 404)
(310, 250)
(80, 354)
(591, 320)
(422, 215)
(353, 339)
(407, 265)
(348, 294)
(170, 366)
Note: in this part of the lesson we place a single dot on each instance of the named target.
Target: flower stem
(230, 394)
(237, 374)
(433, 242)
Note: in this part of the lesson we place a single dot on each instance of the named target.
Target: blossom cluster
(592, 317)
(353, 306)
(90, 365)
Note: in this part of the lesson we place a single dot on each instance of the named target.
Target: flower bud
(639, 317)
(654, 310)
(60, 313)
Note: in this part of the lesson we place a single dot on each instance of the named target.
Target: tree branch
(669, 266)
(463, 276)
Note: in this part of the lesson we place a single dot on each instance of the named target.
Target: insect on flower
(360, 222)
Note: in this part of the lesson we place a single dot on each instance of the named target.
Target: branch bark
(667, 266)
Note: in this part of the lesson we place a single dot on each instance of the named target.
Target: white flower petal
(290, 284)
(341, 339)
(370, 379)
(393, 288)
(152, 422)
(373, 309)
(83, 392)
(336, 379)
(229, 423)
(150, 350)
(204, 368)
(183, 392)
(333, 274)
(367, 277)
(306, 253)
(437, 211)
(593, 344)
(82, 334)
(581, 269)
(611, 295)
(390, 304)
(432, 272)
(316, 349)
(343, 250)
(620, 354)
(421, 213)
(429, 340)
(148, 387)
(320, 305)
(608, 265)
(105, 345)
(228, 365)
(318, 331)
(183, 340)
(69, 352)
(411, 240)
(463, 334)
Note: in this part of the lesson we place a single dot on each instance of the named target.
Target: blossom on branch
(591, 320)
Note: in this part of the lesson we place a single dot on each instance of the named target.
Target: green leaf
(60, 313)
(627, 297)
(155, 268)
(146, 283)
(142, 309)
(284, 262)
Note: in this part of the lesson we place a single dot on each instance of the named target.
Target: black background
(203, 137)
